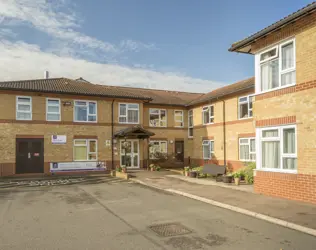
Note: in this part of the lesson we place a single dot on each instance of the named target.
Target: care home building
(285, 105)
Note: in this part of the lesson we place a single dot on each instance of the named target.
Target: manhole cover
(170, 229)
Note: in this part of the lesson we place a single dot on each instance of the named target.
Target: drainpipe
(112, 128)
(224, 131)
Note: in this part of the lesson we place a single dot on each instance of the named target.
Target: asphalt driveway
(117, 214)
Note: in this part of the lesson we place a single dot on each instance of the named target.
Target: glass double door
(129, 151)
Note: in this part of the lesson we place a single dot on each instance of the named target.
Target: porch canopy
(136, 132)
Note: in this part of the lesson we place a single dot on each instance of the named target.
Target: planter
(122, 175)
(237, 181)
(186, 173)
(227, 179)
(152, 169)
(193, 174)
(113, 173)
(124, 170)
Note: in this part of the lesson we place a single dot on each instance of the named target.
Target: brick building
(285, 105)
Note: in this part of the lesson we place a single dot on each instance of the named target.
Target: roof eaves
(275, 26)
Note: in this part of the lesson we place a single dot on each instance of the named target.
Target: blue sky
(176, 45)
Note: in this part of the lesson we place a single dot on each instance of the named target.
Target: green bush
(248, 170)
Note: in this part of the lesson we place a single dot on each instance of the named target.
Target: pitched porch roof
(134, 132)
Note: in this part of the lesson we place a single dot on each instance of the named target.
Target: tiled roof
(227, 90)
(301, 12)
(68, 86)
(155, 96)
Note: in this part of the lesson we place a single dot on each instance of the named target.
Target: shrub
(248, 171)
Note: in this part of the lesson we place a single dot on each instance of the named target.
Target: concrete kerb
(236, 209)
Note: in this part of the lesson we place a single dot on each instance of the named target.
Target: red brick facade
(276, 121)
(299, 187)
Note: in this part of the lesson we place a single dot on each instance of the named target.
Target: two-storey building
(285, 105)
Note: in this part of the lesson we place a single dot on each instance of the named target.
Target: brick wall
(299, 187)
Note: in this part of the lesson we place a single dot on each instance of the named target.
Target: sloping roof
(288, 19)
(136, 131)
(68, 86)
(227, 90)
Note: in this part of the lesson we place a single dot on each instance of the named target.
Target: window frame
(182, 118)
(190, 126)
(150, 125)
(278, 55)
(250, 152)
(159, 141)
(210, 116)
(248, 104)
(119, 112)
(87, 105)
(211, 151)
(87, 144)
(26, 112)
(280, 139)
(54, 113)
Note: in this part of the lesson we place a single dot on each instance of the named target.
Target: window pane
(178, 113)
(132, 116)
(24, 116)
(212, 111)
(81, 113)
(92, 108)
(178, 124)
(268, 54)
(133, 106)
(271, 154)
(154, 111)
(206, 152)
(24, 107)
(163, 123)
(243, 99)
(288, 78)
(250, 101)
(163, 115)
(270, 75)
(80, 153)
(53, 102)
(206, 117)
(252, 157)
(122, 109)
(270, 133)
(53, 117)
(53, 109)
(252, 145)
(243, 112)
(244, 152)
(122, 119)
(24, 100)
(92, 146)
(289, 141)
(289, 163)
(154, 120)
(190, 121)
(190, 131)
(92, 157)
(243, 141)
(80, 142)
(287, 56)
(212, 146)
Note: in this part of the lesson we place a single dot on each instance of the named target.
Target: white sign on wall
(77, 166)
(59, 139)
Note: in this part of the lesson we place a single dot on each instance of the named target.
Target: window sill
(86, 121)
(24, 119)
(205, 124)
(158, 126)
(178, 126)
(133, 123)
(277, 170)
(247, 160)
(275, 89)
(248, 118)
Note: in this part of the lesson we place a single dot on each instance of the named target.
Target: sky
(174, 45)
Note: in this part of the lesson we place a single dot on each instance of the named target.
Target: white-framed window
(129, 113)
(208, 149)
(85, 150)
(157, 118)
(157, 146)
(190, 123)
(178, 118)
(24, 108)
(277, 147)
(85, 111)
(247, 149)
(53, 109)
(245, 107)
(276, 67)
(208, 114)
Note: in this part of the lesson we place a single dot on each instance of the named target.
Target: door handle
(29, 155)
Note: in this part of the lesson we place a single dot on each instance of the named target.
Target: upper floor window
(23, 108)
(247, 149)
(85, 111)
(157, 118)
(178, 118)
(52, 109)
(190, 123)
(208, 114)
(245, 107)
(277, 66)
(208, 149)
(129, 113)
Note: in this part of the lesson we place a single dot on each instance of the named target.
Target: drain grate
(170, 229)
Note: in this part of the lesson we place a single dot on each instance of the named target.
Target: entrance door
(179, 150)
(29, 155)
(130, 153)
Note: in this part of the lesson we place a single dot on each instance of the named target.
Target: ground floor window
(157, 148)
(85, 150)
(278, 148)
(247, 149)
(208, 149)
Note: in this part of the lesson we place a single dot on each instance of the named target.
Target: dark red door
(179, 150)
(29, 155)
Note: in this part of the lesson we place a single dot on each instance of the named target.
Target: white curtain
(289, 163)
(206, 151)
(288, 78)
(244, 152)
(271, 154)
(287, 56)
(270, 75)
(289, 141)
(132, 116)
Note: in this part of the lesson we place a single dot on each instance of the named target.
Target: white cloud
(15, 64)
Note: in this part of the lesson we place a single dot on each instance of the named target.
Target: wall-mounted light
(171, 141)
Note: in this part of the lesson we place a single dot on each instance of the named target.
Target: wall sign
(108, 143)
(77, 166)
(59, 139)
